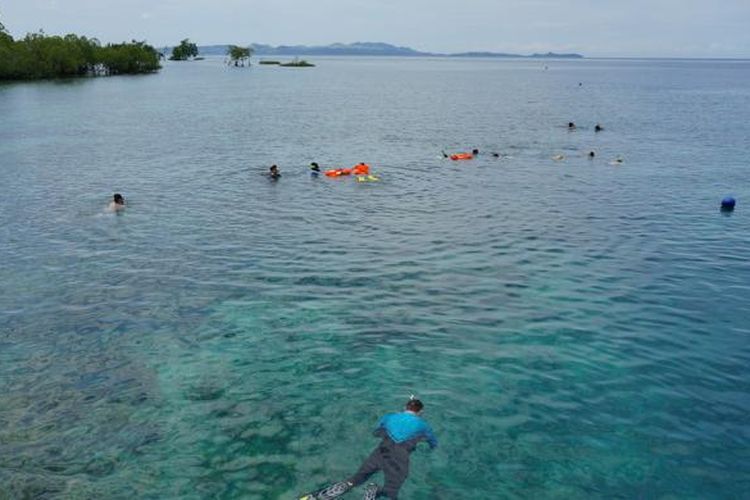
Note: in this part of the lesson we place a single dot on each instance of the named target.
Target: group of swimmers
(591, 154)
(597, 127)
(361, 172)
(571, 126)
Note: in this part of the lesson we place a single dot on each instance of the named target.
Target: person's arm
(381, 426)
(431, 439)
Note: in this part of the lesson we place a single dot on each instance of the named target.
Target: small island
(184, 51)
(238, 56)
(264, 61)
(297, 63)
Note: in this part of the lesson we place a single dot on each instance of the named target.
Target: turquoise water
(576, 329)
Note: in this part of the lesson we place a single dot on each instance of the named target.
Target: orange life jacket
(361, 169)
(338, 172)
(462, 156)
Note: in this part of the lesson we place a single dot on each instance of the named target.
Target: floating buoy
(338, 172)
(727, 204)
(367, 178)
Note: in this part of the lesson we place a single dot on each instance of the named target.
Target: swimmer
(314, 169)
(617, 161)
(474, 151)
(496, 155)
(558, 157)
(361, 168)
(591, 155)
(117, 203)
(598, 128)
(273, 172)
(400, 433)
(571, 126)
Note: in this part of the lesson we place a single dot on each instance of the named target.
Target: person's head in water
(598, 128)
(117, 199)
(591, 154)
(571, 125)
(414, 406)
(314, 166)
(475, 151)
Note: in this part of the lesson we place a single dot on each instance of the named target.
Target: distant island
(369, 49)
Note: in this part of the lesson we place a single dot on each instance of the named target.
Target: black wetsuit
(401, 432)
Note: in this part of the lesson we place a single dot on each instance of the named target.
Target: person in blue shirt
(400, 433)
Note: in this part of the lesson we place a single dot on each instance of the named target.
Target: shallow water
(575, 328)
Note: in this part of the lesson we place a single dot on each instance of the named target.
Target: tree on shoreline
(39, 56)
(184, 51)
(239, 55)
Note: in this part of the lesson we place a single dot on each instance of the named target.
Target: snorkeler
(117, 203)
(314, 169)
(571, 126)
(401, 432)
(598, 128)
(273, 172)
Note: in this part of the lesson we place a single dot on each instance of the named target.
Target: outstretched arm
(431, 439)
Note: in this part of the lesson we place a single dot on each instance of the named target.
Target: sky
(595, 28)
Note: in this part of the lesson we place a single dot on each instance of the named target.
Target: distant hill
(549, 55)
(363, 49)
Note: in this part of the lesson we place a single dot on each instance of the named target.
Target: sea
(576, 327)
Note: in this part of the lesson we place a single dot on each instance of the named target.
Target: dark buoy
(727, 204)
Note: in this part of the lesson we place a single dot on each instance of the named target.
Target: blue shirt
(406, 426)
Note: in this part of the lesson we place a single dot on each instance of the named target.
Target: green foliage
(129, 58)
(239, 55)
(184, 51)
(40, 56)
(297, 63)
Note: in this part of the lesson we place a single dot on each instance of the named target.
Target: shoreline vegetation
(39, 56)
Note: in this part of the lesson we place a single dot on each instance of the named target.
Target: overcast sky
(649, 28)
